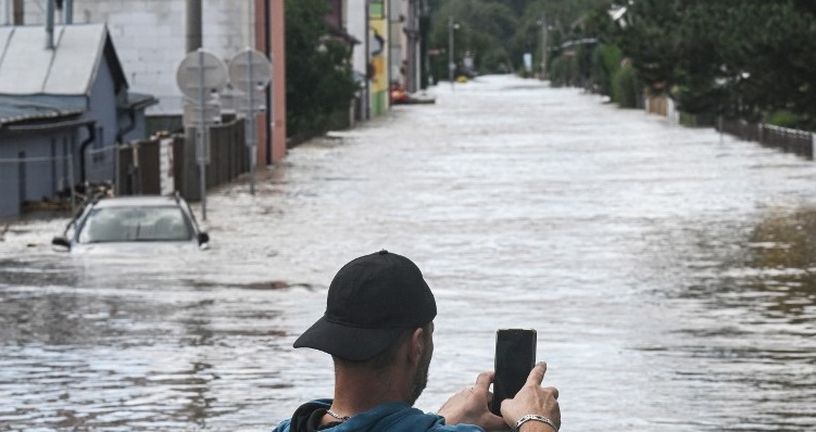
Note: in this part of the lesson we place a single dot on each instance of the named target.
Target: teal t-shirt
(388, 417)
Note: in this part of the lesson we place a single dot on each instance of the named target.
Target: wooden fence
(163, 165)
(794, 141)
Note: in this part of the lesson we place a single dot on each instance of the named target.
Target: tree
(319, 81)
(740, 58)
(499, 32)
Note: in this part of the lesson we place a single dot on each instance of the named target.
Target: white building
(405, 54)
(151, 41)
(150, 36)
(356, 18)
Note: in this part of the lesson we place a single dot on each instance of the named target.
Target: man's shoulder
(282, 426)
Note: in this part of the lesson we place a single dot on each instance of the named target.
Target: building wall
(41, 178)
(150, 39)
(378, 21)
(149, 36)
(5, 12)
(139, 131)
(397, 42)
(275, 44)
(405, 52)
(102, 109)
(413, 51)
(357, 26)
(336, 15)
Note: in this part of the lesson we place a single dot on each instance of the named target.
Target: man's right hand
(533, 399)
(471, 406)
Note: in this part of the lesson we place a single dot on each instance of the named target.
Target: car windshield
(122, 224)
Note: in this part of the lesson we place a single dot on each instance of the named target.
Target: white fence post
(813, 144)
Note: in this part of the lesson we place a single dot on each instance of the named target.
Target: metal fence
(794, 141)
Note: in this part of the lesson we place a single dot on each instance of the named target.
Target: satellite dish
(201, 67)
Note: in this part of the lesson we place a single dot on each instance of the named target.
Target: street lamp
(452, 26)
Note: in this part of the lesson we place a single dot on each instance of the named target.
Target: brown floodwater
(671, 275)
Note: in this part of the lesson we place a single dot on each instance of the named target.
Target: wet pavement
(671, 276)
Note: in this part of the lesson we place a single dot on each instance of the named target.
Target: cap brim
(349, 343)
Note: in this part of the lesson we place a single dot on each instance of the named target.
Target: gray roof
(18, 109)
(139, 101)
(28, 68)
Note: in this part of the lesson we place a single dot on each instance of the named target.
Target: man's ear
(416, 346)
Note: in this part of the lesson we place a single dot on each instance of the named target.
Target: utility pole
(49, 24)
(19, 12)
(451, 63)
(69, 12)
(194, 28)
(194, 43)
(544, 42)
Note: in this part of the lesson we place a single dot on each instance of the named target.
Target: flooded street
(671, 276)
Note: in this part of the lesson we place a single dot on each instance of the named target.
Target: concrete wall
(41, 178)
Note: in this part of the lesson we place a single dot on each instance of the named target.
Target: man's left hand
(471, 405)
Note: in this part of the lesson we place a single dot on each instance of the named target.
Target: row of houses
(79, 79)
(388, 48)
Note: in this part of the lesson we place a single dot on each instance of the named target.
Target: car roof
(137, 201)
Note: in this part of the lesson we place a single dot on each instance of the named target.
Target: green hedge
(606, 62)
(625, 87)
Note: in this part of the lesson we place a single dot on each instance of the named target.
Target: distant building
(62, 111)
(379, 56)
(406, 42)
(337, 23)
(356, 22)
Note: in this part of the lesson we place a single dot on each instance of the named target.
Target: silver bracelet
(535, 417)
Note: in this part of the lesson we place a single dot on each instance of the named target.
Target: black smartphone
(515, 358)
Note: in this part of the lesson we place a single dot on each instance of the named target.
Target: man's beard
(420, 377)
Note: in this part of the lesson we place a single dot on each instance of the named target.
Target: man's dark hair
(386, 358)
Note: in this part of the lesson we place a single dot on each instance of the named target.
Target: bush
(563, 71)
(784, 119)
(606, 61)
(625, 87)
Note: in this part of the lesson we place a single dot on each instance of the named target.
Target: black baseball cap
(371, 300)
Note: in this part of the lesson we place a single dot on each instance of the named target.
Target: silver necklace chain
(337, 416)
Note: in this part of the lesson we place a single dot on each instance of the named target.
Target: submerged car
(132, 224)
